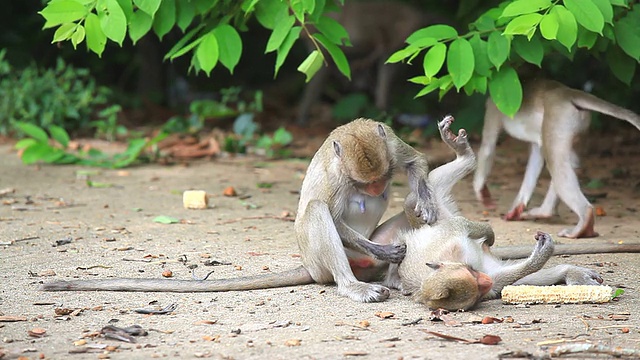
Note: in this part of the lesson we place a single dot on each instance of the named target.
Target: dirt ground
(56, 227)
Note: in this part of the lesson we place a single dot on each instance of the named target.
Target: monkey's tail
(587, 101)
(521, 252)
(297, 276)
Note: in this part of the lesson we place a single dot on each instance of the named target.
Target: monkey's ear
(440, 294)
(434, 266)
(381, 131)
(337, 148)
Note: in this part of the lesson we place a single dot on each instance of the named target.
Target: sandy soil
(112, 234)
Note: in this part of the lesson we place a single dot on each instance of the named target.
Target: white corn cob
(563, 294)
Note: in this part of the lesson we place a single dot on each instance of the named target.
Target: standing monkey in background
(376, 30)
(550, 117)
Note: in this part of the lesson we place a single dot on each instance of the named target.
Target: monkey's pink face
(375, 188)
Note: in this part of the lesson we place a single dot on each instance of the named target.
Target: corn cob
(569, 294)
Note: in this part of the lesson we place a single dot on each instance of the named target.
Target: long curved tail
(297, 276)
(590, 102)
(521, 252)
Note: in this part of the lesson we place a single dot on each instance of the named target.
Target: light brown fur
(550, 117)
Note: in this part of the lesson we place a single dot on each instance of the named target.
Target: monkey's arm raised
(521, 252)
(297, 276)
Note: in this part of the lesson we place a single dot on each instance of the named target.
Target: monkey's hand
(426, 208)
(393, 253)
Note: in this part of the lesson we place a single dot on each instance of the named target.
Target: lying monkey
(550, 117)
(450, 264)
(343, 197)
(362, 267)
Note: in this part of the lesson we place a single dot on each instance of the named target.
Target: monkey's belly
(363, 212)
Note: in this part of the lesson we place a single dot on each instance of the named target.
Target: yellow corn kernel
(561, 294)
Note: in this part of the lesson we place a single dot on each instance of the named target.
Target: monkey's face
(454, 286)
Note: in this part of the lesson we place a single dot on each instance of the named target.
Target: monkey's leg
(548, 207)
(384, 80)
(486, 153)
(531, 174)
(509, 273)
(311, 94)
(566, 184)
(325, 259)
(562, 274)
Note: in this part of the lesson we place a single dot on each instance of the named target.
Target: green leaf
(336, 54)
(568, 27)
(165, 18)
(64, 32)
(523, 25)
(438, 32)
(498, 48)
(127, 8)
(140, 25)
(162, 219)
(549, 26)
(605, 9)
(62, 11)
(617, 293)
(284, 49)
(433, 85)
(622, 3)
(113, 21)
(298, 9)
(282, 137)
(280, 32)
(627, 32)
(207, 52)
(434, 59)
(78, 36)
(59, 134)
(506, 91)
(25, 143)
(481, 56)
(37, 152)
(460, 62)
(587, 14)
(530, 50)
(595, 184)
(179, 48)
(420, 80)
(520, 7)
(311, 64)
(586, 38)
(268, 11)
(621, 65)
(185, 12)
(402, 54)
(333, 30)
(34, 131)
(96, 39)
(96, 184)
(229, 45)
(148, 6)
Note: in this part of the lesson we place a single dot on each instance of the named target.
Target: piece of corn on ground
(195, 199)
(561, 294)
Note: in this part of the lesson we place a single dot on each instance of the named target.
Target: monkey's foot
(584, 229)
(537, 213)
(485, 197)
(364, 292)
(460, 143)
(515, 213)
(577, 275)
